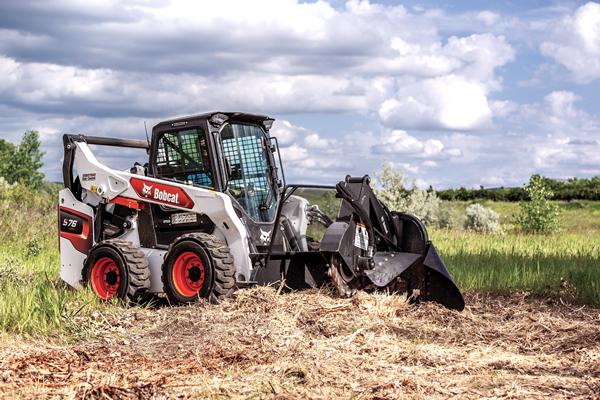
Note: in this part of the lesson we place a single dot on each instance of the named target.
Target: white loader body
(106, 185)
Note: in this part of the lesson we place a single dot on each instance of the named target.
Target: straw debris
(312, 345)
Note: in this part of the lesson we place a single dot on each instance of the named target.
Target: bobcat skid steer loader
(209, 211)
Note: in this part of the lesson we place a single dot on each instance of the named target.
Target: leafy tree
(22, 163)
(538, 215)
(7, 150)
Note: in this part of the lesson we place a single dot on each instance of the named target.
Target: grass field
(565, 265)
(561, 265)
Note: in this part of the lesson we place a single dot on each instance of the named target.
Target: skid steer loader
(210, 212)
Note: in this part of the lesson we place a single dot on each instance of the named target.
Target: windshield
(251, 184)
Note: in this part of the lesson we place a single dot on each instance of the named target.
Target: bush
(26, 212)
(538, 215)
(482, 220)
(449, 217)
(423, 204)
(33, 247)
(571, 189)
(392, 192)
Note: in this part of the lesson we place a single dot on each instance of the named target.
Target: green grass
(34, 301)
(564, 264)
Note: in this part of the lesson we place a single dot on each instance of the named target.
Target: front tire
(198, 265)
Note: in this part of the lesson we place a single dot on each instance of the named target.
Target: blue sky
(451, 93)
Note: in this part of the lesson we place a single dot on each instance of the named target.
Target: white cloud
(98, 91)
(399, 143)
(408, 167)
(450, 102)
(552, 137)
(432, 147)
(286, 132)
(558, 116)
(481, 55)
(503, 108)
(314, 141)
(281, 56)
(562, 103)
(575, 43)
(293, 153)
(457, 98)
(489, 18)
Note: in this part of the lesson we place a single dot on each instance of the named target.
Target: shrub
(482, 220)
(449, 217)
(423, 204)
(33, 247)
(538, 215)
(392, 192)
(26, 212)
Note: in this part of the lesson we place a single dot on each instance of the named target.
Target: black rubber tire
(219, 282)
(131, 262)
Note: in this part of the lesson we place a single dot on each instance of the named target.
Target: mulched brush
(312, 344)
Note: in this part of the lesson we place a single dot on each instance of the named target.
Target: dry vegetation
(312, 345)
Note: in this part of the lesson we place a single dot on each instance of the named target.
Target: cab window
(182, 156)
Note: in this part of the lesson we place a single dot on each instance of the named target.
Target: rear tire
(117, 268)
(198, 265)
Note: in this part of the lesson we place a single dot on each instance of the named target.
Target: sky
(450, 93)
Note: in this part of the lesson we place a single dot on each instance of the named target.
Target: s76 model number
(69, 223)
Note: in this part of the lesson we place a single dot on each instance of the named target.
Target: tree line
(570, 189)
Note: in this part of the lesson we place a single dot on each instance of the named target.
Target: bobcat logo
(265, 236)
(146, 190)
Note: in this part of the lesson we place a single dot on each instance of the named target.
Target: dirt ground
(312, 345)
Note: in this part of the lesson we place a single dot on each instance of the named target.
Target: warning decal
(361, 237)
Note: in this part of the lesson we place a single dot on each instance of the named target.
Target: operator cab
(228, 152)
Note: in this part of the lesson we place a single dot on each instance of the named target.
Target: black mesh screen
(250, 183)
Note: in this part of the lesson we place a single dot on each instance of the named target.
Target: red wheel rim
(188, 274)
(105, 278)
